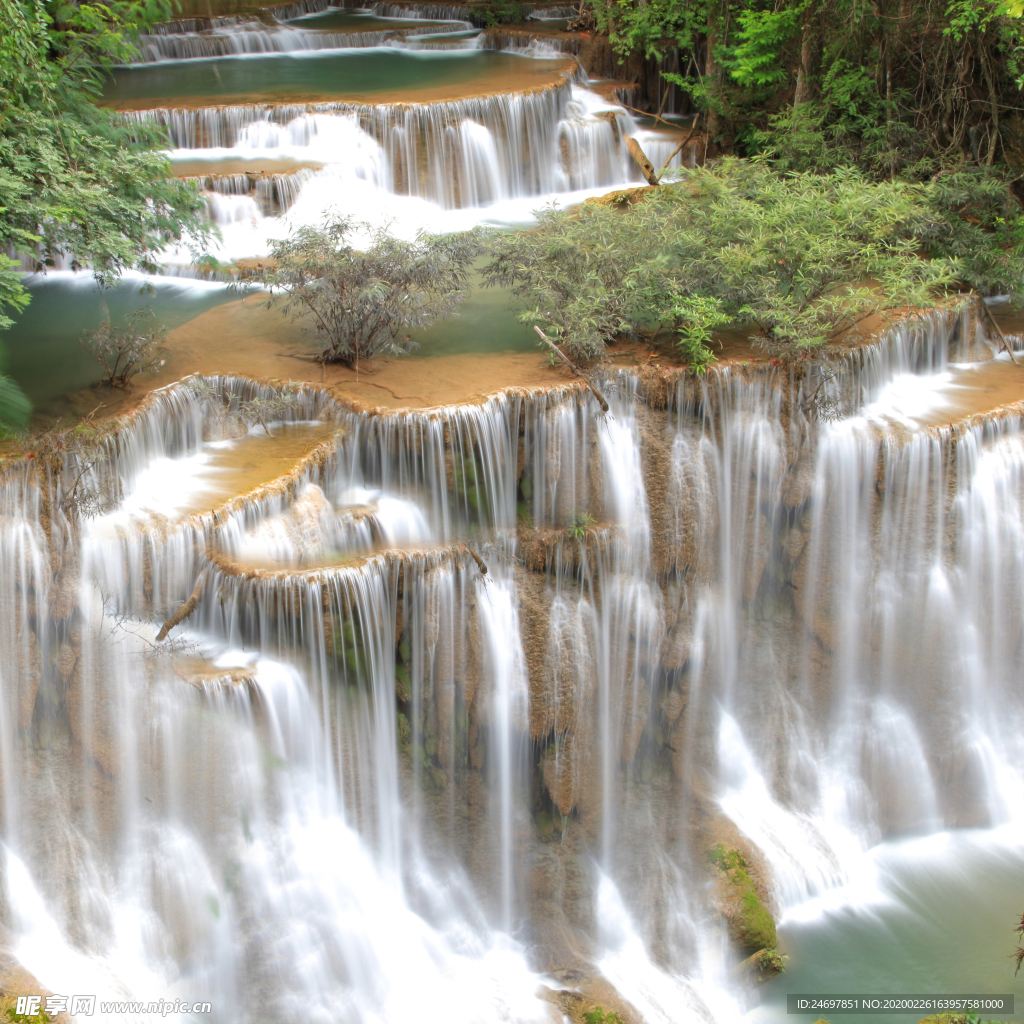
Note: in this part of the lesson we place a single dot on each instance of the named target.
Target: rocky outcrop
(750, 923)
(761, 966)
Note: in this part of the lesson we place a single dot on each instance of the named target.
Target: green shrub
(726, 860)
(769, 962)
(579, 525)
(127, 351)
(795, 257)
(360, 301)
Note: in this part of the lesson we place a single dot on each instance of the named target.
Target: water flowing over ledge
(692, 629)
(305, 8)
(490, 157)
(221, 126)
(258, 38)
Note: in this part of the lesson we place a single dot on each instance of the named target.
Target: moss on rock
(751, 925)
(761, 966)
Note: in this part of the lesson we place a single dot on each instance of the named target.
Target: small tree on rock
(125, 352)
(362, 302)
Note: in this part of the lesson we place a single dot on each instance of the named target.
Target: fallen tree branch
(647, 113)
(184, 611)
(572, 366)
(480, 563)
(640, 159)
(679, 148)
(999, 330)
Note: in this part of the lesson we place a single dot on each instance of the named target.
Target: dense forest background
(894, 86)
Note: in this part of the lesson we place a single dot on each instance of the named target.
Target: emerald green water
(941, 921)
(320, 74)
(42, 351)
(485, 324)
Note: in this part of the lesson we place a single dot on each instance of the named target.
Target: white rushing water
(378, 782)
(437, 167)
(268, 169)
(467, 696)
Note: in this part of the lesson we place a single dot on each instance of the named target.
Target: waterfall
(492, 156)
(398, 145)
(256, 38)
(468, 693)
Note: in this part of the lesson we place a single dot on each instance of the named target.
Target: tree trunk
(713, 73)
(810, 57)
(906, 19)
(640, 158)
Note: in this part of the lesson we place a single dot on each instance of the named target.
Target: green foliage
(579, 525)
(750, 924)
(15, 408)
(755, 61)
(909, 88)
(42, 1017)
(601, 1016)
(359, 302)
(125, 352)
(795, 257)
(726, 860)
(769, 962)
(693, 317)
(490, 13)
(973, 218)
(652, 27)
(75, 179)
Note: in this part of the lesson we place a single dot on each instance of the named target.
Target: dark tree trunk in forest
(713, 75)
(810, 57)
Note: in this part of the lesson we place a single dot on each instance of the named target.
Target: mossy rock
(762, 966)
(945, 1018)
(622, 199)
(751, 925)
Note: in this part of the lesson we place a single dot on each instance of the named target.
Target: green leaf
(15, 408)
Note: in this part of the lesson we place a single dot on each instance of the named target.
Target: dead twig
(185, 610)
(646, 113)
(480, 563)
(572, 366)
(679, 148)
(999, 331)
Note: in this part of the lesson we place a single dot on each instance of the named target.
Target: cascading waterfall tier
(281, 13)
(224, 126)
(493, 670)
(463, 154)
(253, 38)
(268, 168)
